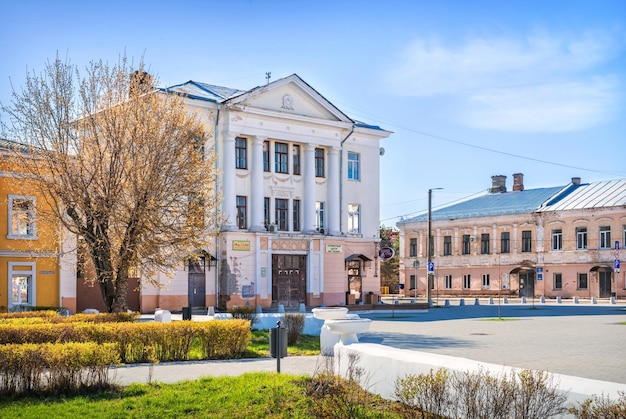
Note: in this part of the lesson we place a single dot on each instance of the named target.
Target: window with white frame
(412, 247)
(266, 156)
(319, 163)
(354, 167)
(281, 158)
(241, 153)
(581, 238)
(465, 248)
(354, 218)
(281, 207)
(448, 282)
(557, 239)
(242, 211)
(605, 237)
(447, 245)
(467, 281)
(296, 215)
(486, 281)
(527, 241)
(22, 223)
(484, 244)
(505, 242)
(22, 283)
(319, 216)
(295, 159)
(558, 281)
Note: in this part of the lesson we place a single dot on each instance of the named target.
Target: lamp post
(430, 272)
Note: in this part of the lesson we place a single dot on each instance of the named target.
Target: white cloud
(540, 83)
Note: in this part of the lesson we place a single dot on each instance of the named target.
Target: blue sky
(470, 89)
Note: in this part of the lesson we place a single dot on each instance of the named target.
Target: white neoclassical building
(300, 192)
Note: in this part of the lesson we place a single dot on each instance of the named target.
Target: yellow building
(37, 260)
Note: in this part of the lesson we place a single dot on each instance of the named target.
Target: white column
(309, 189)
(256, 200)
(228, 183)
(333, 183)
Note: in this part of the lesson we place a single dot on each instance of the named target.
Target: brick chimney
(576, 180)
(518, 181)
(498, 184)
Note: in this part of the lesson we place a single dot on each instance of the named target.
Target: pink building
(552, 242)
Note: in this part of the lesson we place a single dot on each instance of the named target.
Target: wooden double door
(289, 280)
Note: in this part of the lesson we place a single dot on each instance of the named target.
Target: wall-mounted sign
(334, 248)
(241, 245)
(46, 272)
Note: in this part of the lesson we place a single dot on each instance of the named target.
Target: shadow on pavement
(413, 342)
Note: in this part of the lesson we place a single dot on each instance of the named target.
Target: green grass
(253, 395)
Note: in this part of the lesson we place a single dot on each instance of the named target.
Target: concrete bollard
(524, 300)
(543, 299)
(412, 301)
(281, 308)
(302, 308)
(506, 300)
(612, 300)
(396, 302)
(211, 311)
(462, 302)
(259, 309)
(490, 300)
(162, 316)
(476, 302)
(593, 300)
(558, 299)
(446, 303)
(575, 300)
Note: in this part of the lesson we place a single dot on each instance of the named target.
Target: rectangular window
(605, 238)
(486, 281)
(624, 237)
(558, 281)
(241, 212)
(467, 281)
(22, 223)
(241, 153)
(320, 224)
(413, 282)
(581, 238)
(319, 162)
(353, 166)
(266, 212)
(281, 158)
(266, 156)
(505, 242)
(22, 285)
(484, 244)
(296, 215)
(447, 245)
(466, 244)
(582, 281)
(281, 214)
(295, 159)
(413, 247)
(448, 282)
(354, 218)
(527, 241)
(557, 240)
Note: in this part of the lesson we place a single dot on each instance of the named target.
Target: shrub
(245, 313)
(525, 394)
(601, 407)
(294, 323)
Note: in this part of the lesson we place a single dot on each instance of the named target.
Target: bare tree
(124, 166)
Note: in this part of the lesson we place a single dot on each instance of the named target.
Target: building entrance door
(288, 280)
(527, 284)
(604, 280)
(197, 283)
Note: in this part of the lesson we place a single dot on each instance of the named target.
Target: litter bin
(186, 313)
(274, 335)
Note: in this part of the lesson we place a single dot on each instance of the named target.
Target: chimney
(518, 181)
(576, 181)
(498, 184)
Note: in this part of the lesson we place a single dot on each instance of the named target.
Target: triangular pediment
(290, 96)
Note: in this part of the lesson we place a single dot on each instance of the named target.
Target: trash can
(186, 313)
(274, 335)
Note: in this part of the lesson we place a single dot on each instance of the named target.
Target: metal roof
(609, 193)
(204, 91)
(499, 203)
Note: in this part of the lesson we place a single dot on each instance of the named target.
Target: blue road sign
(616, 264)
(431, 267)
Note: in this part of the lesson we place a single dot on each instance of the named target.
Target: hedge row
(56, 368)
(51, 316)
(134, 342)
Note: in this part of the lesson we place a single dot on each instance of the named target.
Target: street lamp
(429, 267)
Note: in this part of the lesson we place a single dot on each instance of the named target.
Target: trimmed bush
(294, 323)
